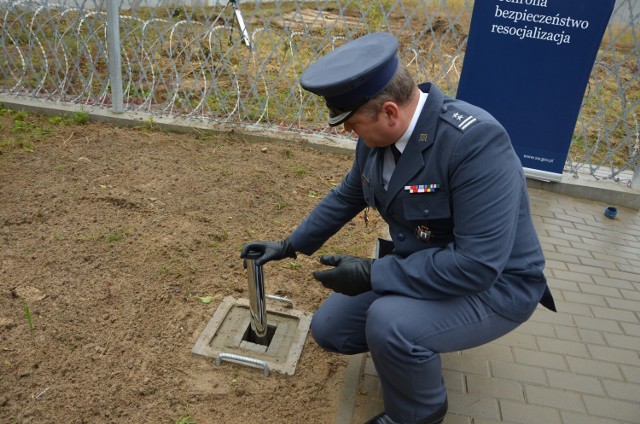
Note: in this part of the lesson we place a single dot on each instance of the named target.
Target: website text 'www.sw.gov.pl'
(539, 159)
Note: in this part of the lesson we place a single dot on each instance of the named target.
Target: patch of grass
(220, 236)
(294, 265)
(21, 130)
(77, 118)
(27, 314)
(80, 118)
(299, 170)
(281, 205)
(19, 125)
(20, 115)
(621, 36)
(218, 239)
(175, 272)
(602, 134)
(288, 153)
(150, 124)
(185, 419)
(117, 235)
(58, 120)
(91, 237)
(26, 145)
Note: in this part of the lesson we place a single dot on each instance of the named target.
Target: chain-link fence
(240, 62)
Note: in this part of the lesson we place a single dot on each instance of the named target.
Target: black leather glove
(271, 250)
(351, 275)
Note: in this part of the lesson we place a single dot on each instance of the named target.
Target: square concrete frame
(203, 345)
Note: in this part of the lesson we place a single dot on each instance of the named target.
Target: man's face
(373, 128)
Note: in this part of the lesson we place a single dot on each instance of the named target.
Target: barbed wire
(176, 62)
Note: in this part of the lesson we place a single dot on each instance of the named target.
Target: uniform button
(444, 109)
(401, 236)
(426, 211)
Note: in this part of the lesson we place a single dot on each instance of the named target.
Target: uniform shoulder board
(458, 118)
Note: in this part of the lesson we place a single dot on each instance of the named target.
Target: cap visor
(340, 118)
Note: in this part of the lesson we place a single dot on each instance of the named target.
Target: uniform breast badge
(423, 233)
(422, 188)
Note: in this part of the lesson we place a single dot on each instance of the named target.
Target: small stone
(29, 294)
(6, 323)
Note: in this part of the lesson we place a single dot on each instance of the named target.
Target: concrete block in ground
(225, 336)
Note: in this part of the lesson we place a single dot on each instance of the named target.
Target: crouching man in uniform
(465, 267)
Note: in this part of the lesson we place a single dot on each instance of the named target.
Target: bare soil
(109, 239)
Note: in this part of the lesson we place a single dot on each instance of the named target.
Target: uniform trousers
(405, 337)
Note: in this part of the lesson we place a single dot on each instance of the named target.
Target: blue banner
(528, 62)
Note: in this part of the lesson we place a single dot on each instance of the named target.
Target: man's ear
(392, 112)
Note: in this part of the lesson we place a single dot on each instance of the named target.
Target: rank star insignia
(458, 116)
(423, 137)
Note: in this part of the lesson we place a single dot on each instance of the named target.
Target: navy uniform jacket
(471, 234)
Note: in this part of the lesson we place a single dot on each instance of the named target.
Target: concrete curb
(349, 392)
(254, 133)
(606, 191)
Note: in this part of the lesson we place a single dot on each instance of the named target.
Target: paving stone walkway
(578, 366)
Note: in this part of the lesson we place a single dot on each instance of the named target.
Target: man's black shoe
(435, 418)
(381, 419)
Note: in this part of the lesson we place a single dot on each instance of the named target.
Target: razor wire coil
(187, 59)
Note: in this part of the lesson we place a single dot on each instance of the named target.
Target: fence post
(635, 180)
(114, 55)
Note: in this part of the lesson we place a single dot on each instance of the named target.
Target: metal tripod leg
(241, 25)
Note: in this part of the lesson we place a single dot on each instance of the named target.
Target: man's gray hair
(398, 91)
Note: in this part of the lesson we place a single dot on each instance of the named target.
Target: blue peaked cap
(352, 74)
